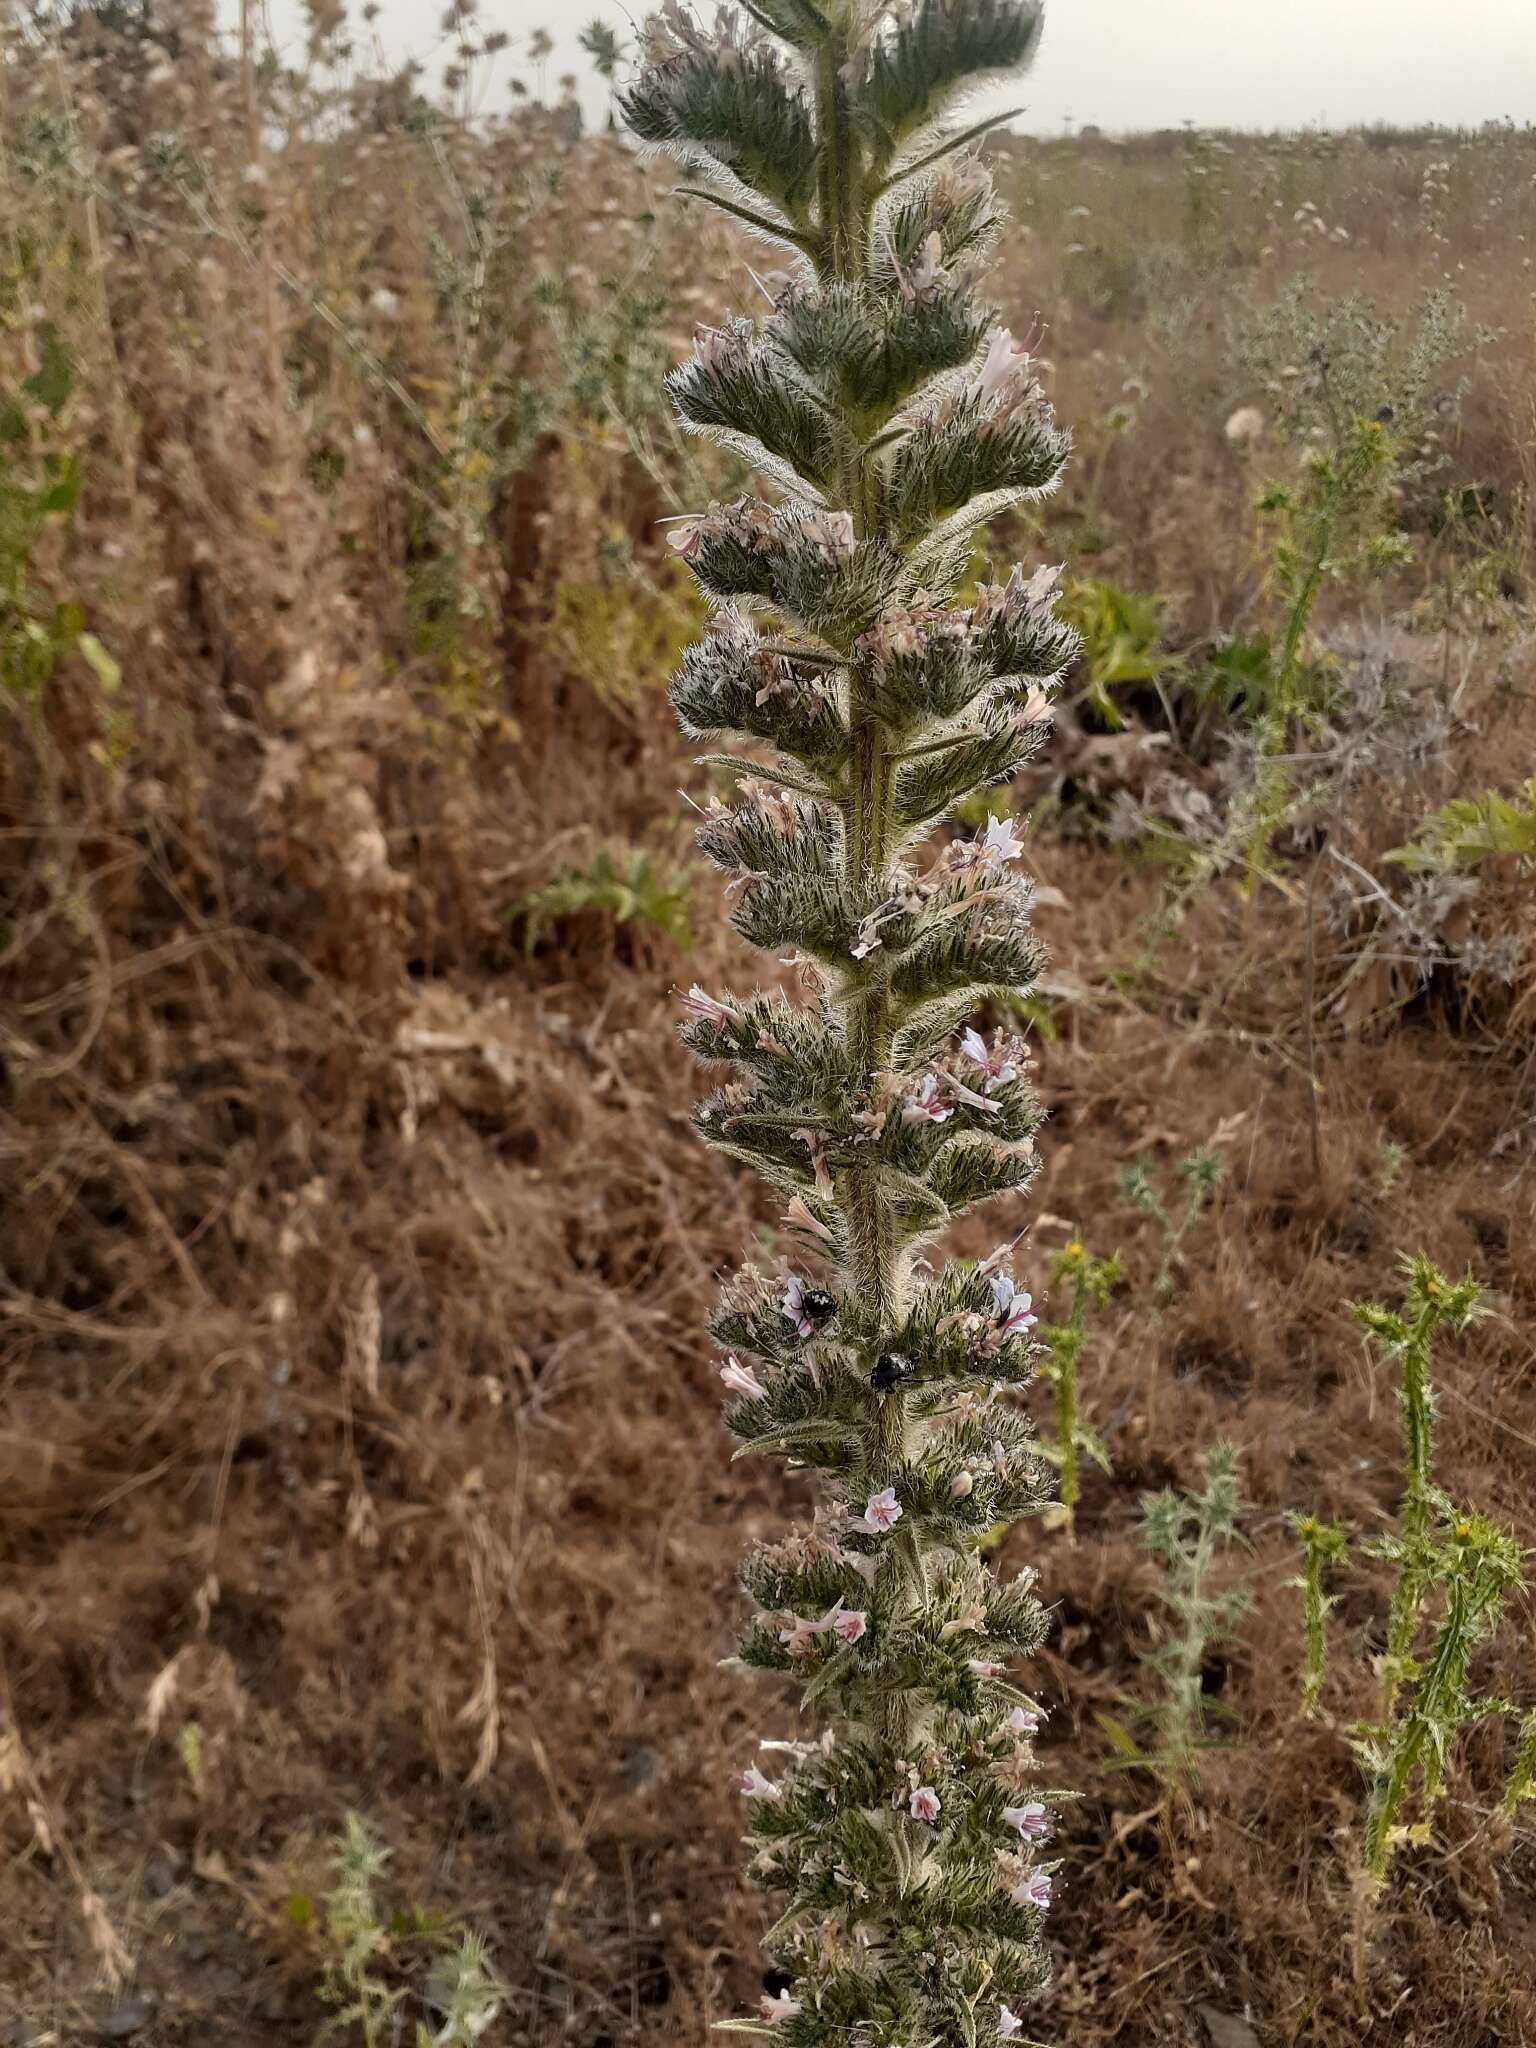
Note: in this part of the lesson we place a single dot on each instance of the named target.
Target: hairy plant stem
(1417, 1511)
(1068, 1358)
(875, 1257)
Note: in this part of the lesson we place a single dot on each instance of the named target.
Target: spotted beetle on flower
(887, 413)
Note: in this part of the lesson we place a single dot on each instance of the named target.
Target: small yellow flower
(1075, 1249)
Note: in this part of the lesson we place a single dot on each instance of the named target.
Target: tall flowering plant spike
(873, 688)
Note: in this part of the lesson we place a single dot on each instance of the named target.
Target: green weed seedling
(1190, 1535)
(1522, 1779)
(1199, 1175)
(355, 1939)
(40, 483)
(1122, 635)
(626, 888)
(1348, 390)
(1091, 1281)
(372, 1958)
(1473, 829)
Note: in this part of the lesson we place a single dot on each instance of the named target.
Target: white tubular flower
(741, 1379)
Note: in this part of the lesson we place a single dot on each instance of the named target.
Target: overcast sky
(1153, 63)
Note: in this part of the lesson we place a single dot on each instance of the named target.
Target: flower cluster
(896, 414)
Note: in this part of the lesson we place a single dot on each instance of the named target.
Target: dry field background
(359, 1447)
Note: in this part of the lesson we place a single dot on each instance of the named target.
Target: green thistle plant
(1091, 1281)
(1189, 1535)
(1334, 522)
(1431, 1303)
(893, 418)
(1322, 1544)
(1522, 1778)
(1472, 829)
(1475, 1565)
(1444, 1557)
(370, 1957)
(356, 1938)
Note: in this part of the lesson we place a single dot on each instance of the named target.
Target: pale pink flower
(724, 348)
(1031, 1820)
(777, 286)
(882, 1511)
(1043, 585)
(992, 1060)
(999, 844)
(1034, 1890)
(1008, 2024)
(833, 535)
(867, 937)
(778, 2006)
(924, 1804)
(793, 1306)
(704, 1008)
(927, 1106)
(1023, 1721)
(753, 1785)
(815, 1143)
(1003, 359)
(780, 680)
(741, 1379)
(959, 1093)
(974, 1046)
(1011, 1305)
(798, 1217)
(927, 271)
(799, 1635)
(686, 537)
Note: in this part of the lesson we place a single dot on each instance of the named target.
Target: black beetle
(891, 1368)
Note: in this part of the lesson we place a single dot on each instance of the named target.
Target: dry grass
(354, 1406)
